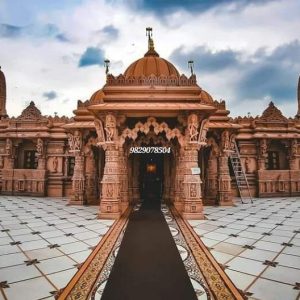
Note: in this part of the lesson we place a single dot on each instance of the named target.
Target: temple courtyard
(44, 242)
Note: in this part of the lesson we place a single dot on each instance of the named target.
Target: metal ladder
(239, 173)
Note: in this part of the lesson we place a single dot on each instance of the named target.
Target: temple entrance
(151, 177)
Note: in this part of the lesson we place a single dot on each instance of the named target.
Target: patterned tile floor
(258, 245)
(42, 242)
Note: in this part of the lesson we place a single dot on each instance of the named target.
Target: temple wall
(51, 180)
(278, 183)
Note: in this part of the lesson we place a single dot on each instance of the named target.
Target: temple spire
(3, 113)
(298, 98)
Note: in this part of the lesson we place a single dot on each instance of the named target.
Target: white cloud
(33, 66)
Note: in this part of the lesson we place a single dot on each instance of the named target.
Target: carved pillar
(179, 176)
(9, 162)
(129, 172)
(262, 154)
(211, 190)
(78, 180)
(123, 179)
(224, 182)
(90, 175)
(110, 193)
(192, 198)
(167, 179)
(173, 179)
(135, 179)
(8, 179)
(293, 155)
(224, 179)
(41, 151)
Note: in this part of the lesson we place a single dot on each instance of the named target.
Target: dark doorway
(151, 177)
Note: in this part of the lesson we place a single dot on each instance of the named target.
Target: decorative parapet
(220, 104)
(172, 80)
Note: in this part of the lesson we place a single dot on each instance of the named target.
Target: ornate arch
(146, 127)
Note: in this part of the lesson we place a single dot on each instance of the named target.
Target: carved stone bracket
(75, 142)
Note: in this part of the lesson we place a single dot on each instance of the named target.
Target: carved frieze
(75, 141)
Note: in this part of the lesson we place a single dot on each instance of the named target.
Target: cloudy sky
(245, 51)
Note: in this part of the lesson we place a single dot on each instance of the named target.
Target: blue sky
(246, 52)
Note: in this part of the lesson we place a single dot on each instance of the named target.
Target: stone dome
(151, 64)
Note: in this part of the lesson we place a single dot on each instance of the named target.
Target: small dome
(150, 64)
(206, 97)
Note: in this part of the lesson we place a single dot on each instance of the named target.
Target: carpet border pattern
(219, 283)
(82, 283)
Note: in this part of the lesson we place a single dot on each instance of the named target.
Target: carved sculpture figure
(263, 147)
(100, 131)
(75, 141)
(54, 164)
(225, 140)
(110, 127)
(203, 131)
(8, 147)
(215, 152)
(40, 146)
(294, 148)
(193, 127)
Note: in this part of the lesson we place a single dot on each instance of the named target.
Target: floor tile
(258, 254)
(268, 246)
(229, 248)
(60, 240)
(221, 257)
(276, 239)
(241, 280)
(74, 247)
(289, 260)
(61, 279)
(245, 265)
(216, 236)
(209, 242)
(56, 264)
(32, 289)
(26, 246)
(7, 249)
(12, 259)
(292, 250)
(43, 253)
(93, 242)
(80, 257)
(18, 273)
(282, 274)
(240, 241)
(264, 289)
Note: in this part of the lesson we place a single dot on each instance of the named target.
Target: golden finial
(150, 40)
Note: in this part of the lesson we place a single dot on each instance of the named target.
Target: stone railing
(152, 80)
(273, 183)
(24, 182)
